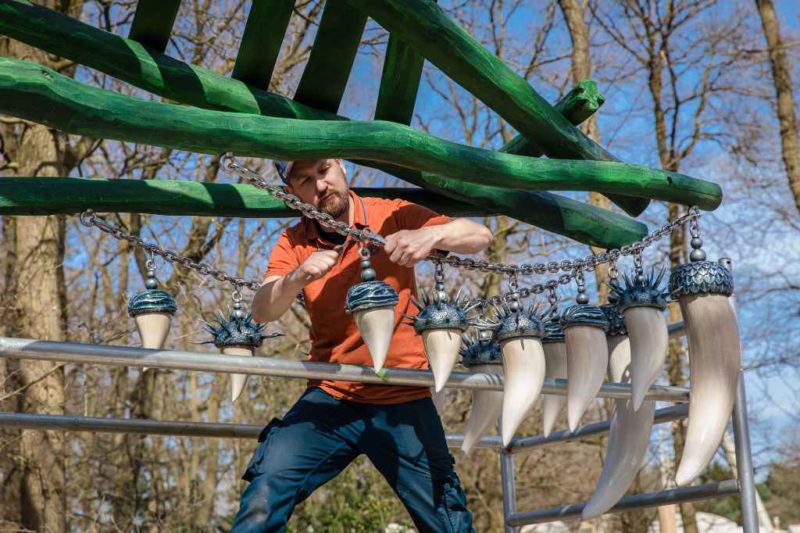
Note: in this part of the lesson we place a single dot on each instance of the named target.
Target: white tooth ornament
(702, 289)
(629, 431)
(237, 335)
(520, 335)
(372, 303)
(585, 329)
(441, 321)
(555, 355)
(642, 302)
(152, 309)
(482, 355)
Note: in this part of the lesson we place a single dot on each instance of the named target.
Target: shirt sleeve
(411, 216)
(283, 258)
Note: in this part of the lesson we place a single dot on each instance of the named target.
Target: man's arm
(461, 235)
(275, 296)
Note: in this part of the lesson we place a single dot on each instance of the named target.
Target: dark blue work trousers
(321, 435)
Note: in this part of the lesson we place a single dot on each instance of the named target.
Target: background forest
(700, 86)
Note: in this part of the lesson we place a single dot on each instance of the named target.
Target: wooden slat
(402, 69)
(153, 21)
(261, 42)
(55, 196)
(335, 45)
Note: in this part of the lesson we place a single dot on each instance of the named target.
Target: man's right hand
(316, 266)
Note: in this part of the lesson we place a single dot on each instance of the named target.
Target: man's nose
(322, 185)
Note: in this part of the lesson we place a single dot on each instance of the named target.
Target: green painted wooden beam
(56, 196)
(35, 93)
(402, 70)
(153, 21)
(131, 62)
(261, 42)
(431, 32)
(335, 46)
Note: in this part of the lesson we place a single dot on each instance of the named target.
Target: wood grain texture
(153, 21)
(335, 45)
(402, 70)
(42, 95)
(261, 42)
(53, 196)
(431, 32)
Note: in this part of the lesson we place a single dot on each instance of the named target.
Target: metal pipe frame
(636, 501)
(75, 352)
(744, 460)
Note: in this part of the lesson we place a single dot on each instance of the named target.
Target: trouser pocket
(257, 462)
(454, 504)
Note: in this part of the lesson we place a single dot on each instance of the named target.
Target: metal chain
(571, 269)
(553, 267)
(90, 219)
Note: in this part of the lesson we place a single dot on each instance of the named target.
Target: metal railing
(213, 362)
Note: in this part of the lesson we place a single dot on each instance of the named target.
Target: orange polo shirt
(334, 335)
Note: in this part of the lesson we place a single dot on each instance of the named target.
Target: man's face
(321, 183)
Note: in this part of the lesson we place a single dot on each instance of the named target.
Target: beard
(335, 204)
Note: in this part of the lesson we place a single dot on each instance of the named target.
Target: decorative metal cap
(151, 301)
(441, 312)
(584, 315)
(700, 277)
(237, 330)
(515, 324)
(616, 320)
(553, 331)
(370, 295)
(483, 350)
(640, 291)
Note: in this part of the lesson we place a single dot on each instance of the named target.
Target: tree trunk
(574, 14)
(782, 79)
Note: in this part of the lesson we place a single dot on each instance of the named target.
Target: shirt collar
(310, 228)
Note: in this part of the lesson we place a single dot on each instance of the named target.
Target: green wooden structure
(218, 114)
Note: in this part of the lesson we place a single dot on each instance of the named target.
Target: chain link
(570, 268)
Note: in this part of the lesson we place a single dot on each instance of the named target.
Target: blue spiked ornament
(520, 333)
(482, 355)
(237, 335)
(372, 304)
(441, 321)
(641, 300)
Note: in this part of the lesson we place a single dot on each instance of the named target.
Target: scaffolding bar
(636, 501)
(523, 444)
(744, 459)
(174, 428)
(74, 352)
(509, 488)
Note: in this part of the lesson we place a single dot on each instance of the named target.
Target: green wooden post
(261, 42)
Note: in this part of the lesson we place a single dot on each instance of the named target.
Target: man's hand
(317, 265)
(409, 247)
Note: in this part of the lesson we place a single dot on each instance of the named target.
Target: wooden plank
(153, 21)
(56, 196)
(431, 32)
(167, 77)
(261, 42)
(335, 46)
(402, 69)
(42, 95)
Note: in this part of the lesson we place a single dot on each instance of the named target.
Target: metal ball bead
(582, 298)
(368, 274)
(696, 242)
(697, 255)
(151, 283)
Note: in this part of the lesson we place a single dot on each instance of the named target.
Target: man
(334, 422)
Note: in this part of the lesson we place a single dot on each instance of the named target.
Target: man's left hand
(409, 247)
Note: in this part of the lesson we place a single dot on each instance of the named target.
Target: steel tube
(676, 329)
(509, 485)
(174, 428)
(73, 352)
(522, 444)
(636, 501)
(744, 459)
